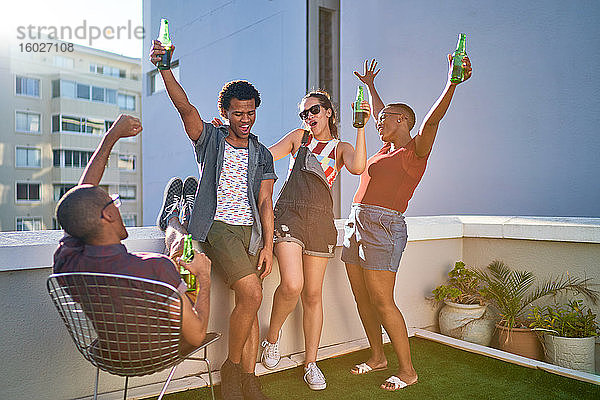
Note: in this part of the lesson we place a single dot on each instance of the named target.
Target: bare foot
(400, 381)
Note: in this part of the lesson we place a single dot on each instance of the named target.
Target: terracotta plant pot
(465, 322)
(574, 353)
(520, 341)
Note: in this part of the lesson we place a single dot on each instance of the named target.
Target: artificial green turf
(444, 373)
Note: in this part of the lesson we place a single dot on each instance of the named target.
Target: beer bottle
(187, 256)
(358, 118)
(457, 59)
(165, 40)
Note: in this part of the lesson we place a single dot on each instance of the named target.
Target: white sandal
(365, 368)
(397, 382)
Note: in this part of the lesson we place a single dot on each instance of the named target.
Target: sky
(91, 17)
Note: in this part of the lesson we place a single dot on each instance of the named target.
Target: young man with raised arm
(232, 215)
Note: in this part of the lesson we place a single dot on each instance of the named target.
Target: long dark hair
(325, 101)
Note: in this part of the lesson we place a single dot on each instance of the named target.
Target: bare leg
(368, 316)
(248, 296)
(312, 304)
(289, 258)
(250, 349)
(174, 236)
(380, 285)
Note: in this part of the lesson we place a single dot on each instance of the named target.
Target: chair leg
(125, 390)
(212, 389)
(96, 384)
(164, 389)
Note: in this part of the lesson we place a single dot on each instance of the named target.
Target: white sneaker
(270, 355)
(313, 377)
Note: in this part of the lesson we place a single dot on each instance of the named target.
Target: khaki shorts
(227, 247)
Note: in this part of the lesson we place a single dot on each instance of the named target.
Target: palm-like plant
(511, 293)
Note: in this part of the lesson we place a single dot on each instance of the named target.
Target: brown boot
(251, 388)
(231, 381)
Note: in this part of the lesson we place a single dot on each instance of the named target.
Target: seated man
(94, 230)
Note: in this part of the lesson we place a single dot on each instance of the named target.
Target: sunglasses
(314, 110)
(114, 199)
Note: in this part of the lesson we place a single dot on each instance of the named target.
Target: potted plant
(513, 293)
(569, 334)
(462, 315)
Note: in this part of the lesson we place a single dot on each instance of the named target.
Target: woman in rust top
(375, 233)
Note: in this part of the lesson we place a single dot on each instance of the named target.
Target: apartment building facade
(57, 107)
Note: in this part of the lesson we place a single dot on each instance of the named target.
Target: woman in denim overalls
(305, 234)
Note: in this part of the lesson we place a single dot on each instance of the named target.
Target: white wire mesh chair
(124, 325)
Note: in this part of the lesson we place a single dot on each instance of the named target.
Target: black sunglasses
(314, 110)
(114, 198)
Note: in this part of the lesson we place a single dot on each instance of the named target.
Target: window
(111, 96)
(55, 224)
(63, 62)
(62, 88)
(60, 189)
(156, 83)
(27, 122)
(28, 86)
(94, 126)
(127, 192)
(83, 91)
(28, 191)
(71, 158)
(106, 70)
(126, 161)
(126, 102)
(129, 219)
(29, 224)
(107, 125)
(28, 157)
(68, 123)
(97, 93)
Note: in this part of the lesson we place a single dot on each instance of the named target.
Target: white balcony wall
(40, 360)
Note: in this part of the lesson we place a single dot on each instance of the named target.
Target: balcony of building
(40, 360)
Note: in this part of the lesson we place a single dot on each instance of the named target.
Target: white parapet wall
(40, 360)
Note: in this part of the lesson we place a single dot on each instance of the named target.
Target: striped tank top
(325, 153)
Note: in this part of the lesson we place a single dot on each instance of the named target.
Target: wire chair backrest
(124, 325)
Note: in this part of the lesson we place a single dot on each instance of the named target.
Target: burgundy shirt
(390, 178)
(73, 255)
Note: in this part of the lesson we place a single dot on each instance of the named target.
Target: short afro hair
(241, 90)
(405, 110)
(79, 210)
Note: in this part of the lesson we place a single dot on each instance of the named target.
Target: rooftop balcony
(40, 360)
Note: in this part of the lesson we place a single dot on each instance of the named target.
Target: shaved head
(79, 211)
(405, 110)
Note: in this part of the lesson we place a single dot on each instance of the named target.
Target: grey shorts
(374, 237)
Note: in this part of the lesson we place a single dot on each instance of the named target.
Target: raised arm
(189, 114)
(355, 159)
(426, 136)
(124, 126)
(195, 318)
(368, 78)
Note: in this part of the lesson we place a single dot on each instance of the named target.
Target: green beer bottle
(187, 256)
(457, 59)
(165, 40)
(358, 118)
